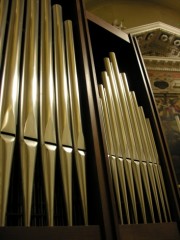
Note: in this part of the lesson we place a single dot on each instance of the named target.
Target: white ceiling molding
(162, 63)
(160, 48)
(157, 39)
(153, 26)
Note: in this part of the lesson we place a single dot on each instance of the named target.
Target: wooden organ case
(82, 151)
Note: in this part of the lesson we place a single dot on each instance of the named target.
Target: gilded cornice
(160, 47)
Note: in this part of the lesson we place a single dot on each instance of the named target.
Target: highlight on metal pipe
(148, 158)
(29, 106)
(6, 155)
(140, 162)
(64, 135)
(118, 134)
(112, 151)
(47, 108)
(77, 131)
(3, 18)
(11, 71)
(120, 94)
(139, 145)
(9, 96)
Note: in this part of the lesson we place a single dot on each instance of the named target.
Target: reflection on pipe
(29, 105)
(62, 109)
(119, 136)
(129, 138)
(158, 166)
(11, 71)
(120, 94)
(78, 138)
(111, 142)
(9, 100)
(47, 108)
(3, 17)
(6, 155)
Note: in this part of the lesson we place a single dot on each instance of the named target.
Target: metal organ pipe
(9, 101)
(39, 94)
(29, 106)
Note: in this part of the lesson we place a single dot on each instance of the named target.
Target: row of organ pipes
(40, 106)
(135, 167)
(40, 123)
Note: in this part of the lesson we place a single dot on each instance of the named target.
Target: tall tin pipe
(64, 137)
(3, 19)
(29, 105)
(47, 108)
(9, 97)
(77, 130)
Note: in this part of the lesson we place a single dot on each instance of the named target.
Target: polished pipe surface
(6, 155)
(120, 95)
(47, 108)
(77, 130)
(3, 18)
(119, 139)
(47, 91)
(29, 106)
(29, 84)
(62, 92)
(64, 135)
(9, 97)
(110, 140)
(78, 137)
(11, 70)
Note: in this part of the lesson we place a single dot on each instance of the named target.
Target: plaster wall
(134, 13)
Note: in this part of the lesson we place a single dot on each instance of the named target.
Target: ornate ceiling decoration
(165, 81)
(159, 43)
(158, 39)
(162, 63)
(160, 47)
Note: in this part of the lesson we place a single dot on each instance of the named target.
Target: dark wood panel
(106, 211)
(158, 231)
(107, 27)
(49, 233)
